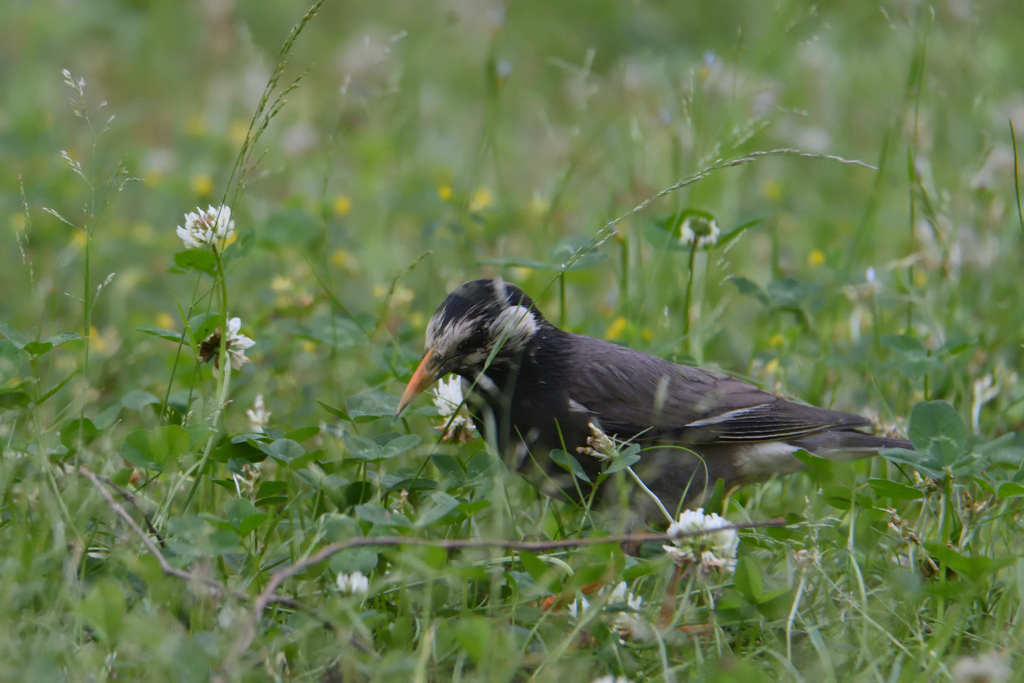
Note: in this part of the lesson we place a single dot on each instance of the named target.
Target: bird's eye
(475, 341)
(451, 362)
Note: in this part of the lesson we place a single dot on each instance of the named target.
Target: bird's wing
(633, 393)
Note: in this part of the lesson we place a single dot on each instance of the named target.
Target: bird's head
(481, 320)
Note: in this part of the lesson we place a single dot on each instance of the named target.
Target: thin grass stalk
(177, 354)
(561, 299)
(689, 290)
(1016, 176)
(225, 385)
(792, 615)
(44, 461)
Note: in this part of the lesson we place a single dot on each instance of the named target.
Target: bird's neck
(540, 363)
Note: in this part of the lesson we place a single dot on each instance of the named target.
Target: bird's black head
(477, 318)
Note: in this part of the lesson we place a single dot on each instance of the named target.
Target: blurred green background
(431, 143)
(476, 130)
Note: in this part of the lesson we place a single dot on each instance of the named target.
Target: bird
(540, 389)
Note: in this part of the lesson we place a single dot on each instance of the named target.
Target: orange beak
(421, 379)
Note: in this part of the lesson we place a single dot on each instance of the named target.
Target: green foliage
(941, 442)
(399, 149)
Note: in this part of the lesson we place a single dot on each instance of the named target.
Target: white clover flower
(629, 625)
(448, 396)
(633, 627)
(715, 548)
(805, 559)
(354, 583)
(447, 399)
(258, 415)
(702, 230)
(212, 226)
(236, 345)
(990, 667)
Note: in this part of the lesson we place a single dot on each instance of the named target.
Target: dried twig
(133, 500)
(269, 595)
(165, 566)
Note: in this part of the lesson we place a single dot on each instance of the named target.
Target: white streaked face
(513, 328)
(446, 338)
(467, 342)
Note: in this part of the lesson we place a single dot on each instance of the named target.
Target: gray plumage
(695, 426)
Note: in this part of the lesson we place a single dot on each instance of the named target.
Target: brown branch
(269, 595)
(165, 566)
(132, 498)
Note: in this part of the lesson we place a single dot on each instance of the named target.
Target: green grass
(409, 147)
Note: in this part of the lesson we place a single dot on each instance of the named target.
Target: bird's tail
(848, 445)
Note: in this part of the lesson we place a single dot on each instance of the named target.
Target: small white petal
(236, 343)
(448, 396)
(258, 415)
(354, 583)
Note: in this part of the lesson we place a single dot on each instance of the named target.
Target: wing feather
(633, 393)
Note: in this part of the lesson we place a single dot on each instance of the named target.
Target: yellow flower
(402, 296)
(816, 258)
(343, 259)
(308, 346)
(143, 232)
(772, 190)
(202, 185)
(164, 321)
(520, 273)
(196, 125)
(444, 192)
(539, 205)
(238, 130)
(482, 198)
(776, 340)
(342, 205)
(280, 284)
(96, 341)
(616, 329)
